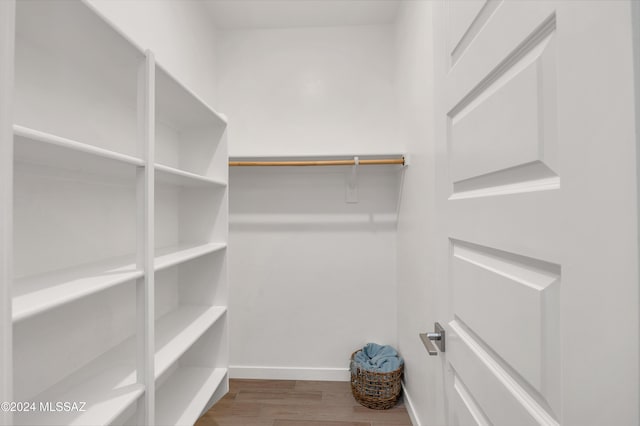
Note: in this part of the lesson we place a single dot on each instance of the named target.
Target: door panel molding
(501, 394)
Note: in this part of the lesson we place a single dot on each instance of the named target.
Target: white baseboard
(410, 407)
(289, 373)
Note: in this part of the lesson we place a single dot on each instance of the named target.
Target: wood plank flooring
(297, 403)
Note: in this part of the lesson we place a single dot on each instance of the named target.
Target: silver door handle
(437, 336)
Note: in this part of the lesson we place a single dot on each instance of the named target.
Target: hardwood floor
(297, 403)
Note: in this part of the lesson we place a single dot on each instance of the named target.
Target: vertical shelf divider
(7, 46)
(145, 329)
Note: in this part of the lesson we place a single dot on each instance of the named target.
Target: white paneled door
(538, 258)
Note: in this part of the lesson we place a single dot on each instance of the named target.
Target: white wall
(312, 278)
(415, 250)
(307, 90)
(180, 34)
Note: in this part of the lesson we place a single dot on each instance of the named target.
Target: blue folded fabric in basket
(377, 358)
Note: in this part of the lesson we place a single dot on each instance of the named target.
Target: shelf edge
(36, 135)
(204, 249)
(23, 314)
(217, 313)
(214, 379)
(188, 175)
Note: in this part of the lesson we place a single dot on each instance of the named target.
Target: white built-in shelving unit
(113, 226)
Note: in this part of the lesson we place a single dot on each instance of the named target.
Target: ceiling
(300, 13)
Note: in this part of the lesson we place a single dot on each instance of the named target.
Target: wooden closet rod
(299, 163)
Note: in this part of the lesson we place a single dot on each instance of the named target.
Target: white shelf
(184, 395)
(179, 329)
(33, 146)
(174, 255)
(172, 176)
(76, 76)
(101, 408)
(36, 294)
(40, 148)
(107, 384)
(39, 293)
(189, 135)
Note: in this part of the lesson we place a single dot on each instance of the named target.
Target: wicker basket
(379, 391)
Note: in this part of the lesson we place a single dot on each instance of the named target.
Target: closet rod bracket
(351, 194)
